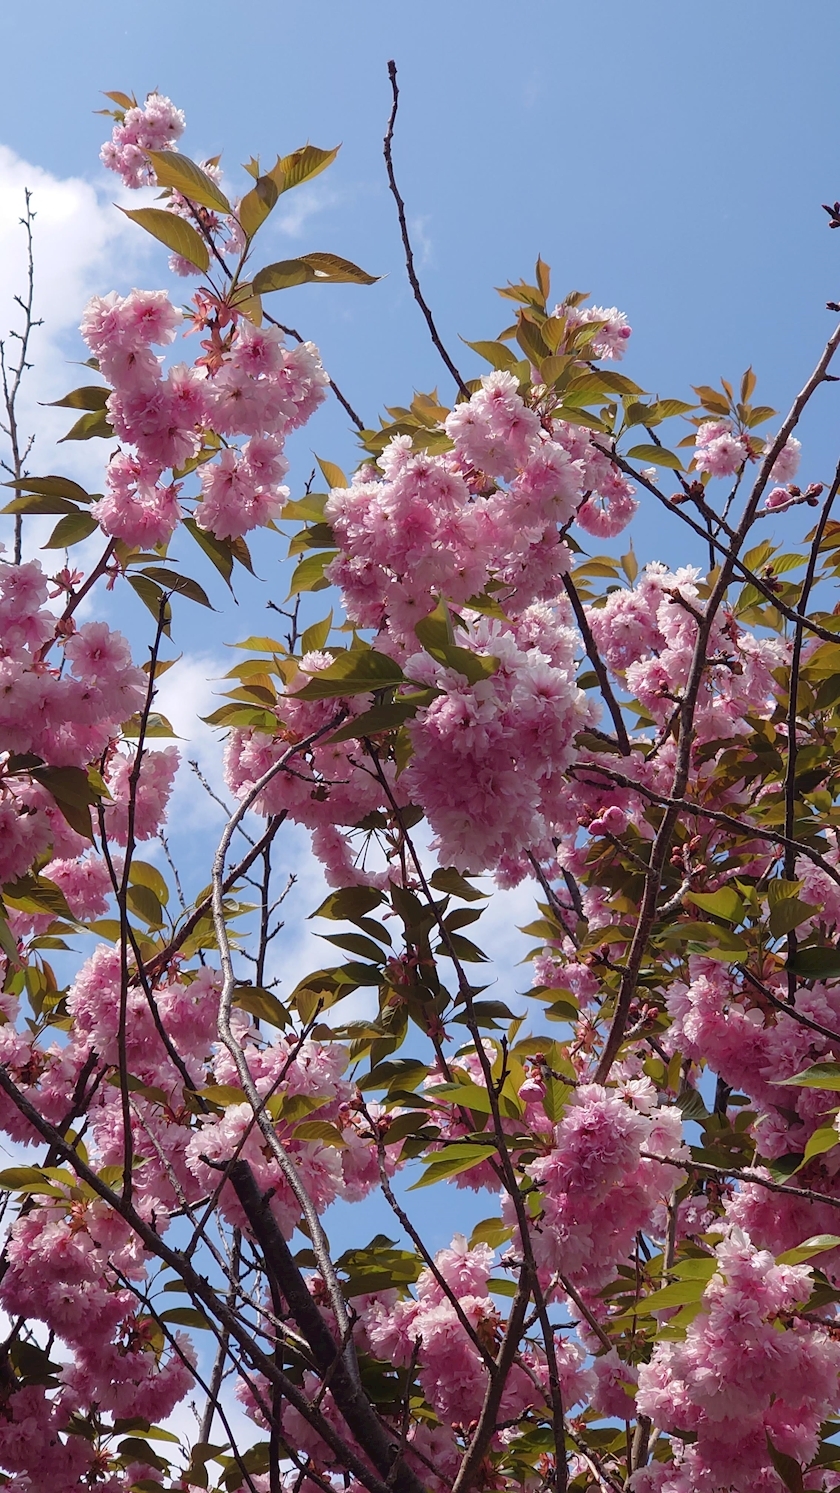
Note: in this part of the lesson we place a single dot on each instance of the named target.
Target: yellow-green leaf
(174, 232)
(175, 170)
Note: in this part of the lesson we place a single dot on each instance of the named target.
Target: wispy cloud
(82, 246)
(306, 204)
(421, 241)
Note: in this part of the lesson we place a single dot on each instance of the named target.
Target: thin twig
(409, 254)
(12, 377)
(598, 665)
(793, 691)
(291, 332)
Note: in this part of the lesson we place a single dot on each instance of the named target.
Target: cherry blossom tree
(651, 1300)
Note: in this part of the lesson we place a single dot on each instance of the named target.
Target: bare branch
(406, 240)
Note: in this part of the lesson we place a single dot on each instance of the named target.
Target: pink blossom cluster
(258, 388)
(452, 1374)
(66, 717)
(719, 1019)
(647, 634)
(747, 1370)
(298, 1070)
(451, 1370)
(718, 450)
(65, 1257)
(610, 340)
(597, 1191)
(328, 790)
(492, 510)
(488, 756)
(146, 807)
(155, 126)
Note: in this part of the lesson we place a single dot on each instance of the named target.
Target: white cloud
(421, 241)
(82, 246)
(306, 204)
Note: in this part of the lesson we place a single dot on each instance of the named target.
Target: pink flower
(718, 450)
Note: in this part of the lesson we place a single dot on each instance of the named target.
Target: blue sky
(670, 158)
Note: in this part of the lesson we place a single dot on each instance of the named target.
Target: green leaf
(787, 1468)
(282, 275)
(309, 575)
(383, 717)
(497, 354)
(152, 597)
(490, 1231)
(31, 893)
(93, 424)
(141, 873)
(36, 503)
(91, 397)
(332, 474)
(816, 1245)
(170, 580)
(262, 1004)
(73, 792)
(52, 487)
(447, 879)
(174, 232)
(353, 673)
(302, 165)
(328, 269)
(243, 715)
(360, 944)
(657, 455)
(186, 1316)
(218, 551)
(261, 645)
(331, 269)
(156, 725)
(455, 1159)
(759, 414)
(223, 1094)
(724, 903)
(501, 1287)
(815, 963)
(142, 901)
(818, 1076)
(175, 170)
(349, 903)
(315, 636)
(70, 530)
(789, 913)
(15, 1177)
(322, 1130)
(257, 204)
(677, 1294)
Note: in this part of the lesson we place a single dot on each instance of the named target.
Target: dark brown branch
(662, 843)
(598, 665)
(406, 241)
(688, 806)
(345, 403)
(785, 1006)
(764, 587)
(793, 691)
(198, 1286)
(359, 1414)
(155, 967)
(741, 1174)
